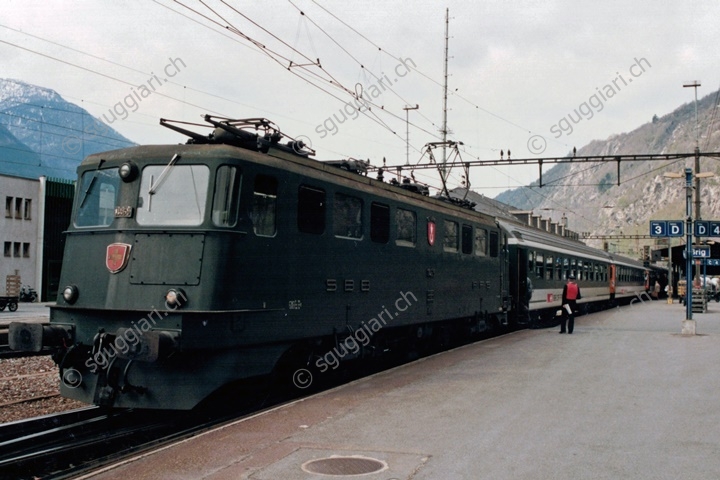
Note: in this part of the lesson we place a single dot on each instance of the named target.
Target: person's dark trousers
(571, 316)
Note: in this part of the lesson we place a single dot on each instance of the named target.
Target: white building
(19, 230)
(37, 212)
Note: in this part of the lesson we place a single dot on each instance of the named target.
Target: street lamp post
(688, 325)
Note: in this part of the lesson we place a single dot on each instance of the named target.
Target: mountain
(589, 194)
(16, 158)
(43, 134)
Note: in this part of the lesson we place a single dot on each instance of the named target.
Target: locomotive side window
(406, 223)
(97, 199)
(311, 210)
(173, 194)
(227, 195)
(494, 244)
(264, 204)
(347, 217)
(450, 244)
(480, 242)
(467, 239)
(379, 222)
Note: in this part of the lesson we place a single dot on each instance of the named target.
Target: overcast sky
(518, 71)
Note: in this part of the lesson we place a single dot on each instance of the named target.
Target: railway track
(67, 444)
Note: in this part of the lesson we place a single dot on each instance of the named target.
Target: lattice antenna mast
(444, 131)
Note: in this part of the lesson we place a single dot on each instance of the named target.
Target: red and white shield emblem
(431, 232)
(117, 256)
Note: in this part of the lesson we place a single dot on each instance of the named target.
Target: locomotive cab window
(264, 204)
(173, 194)
(97, 198)
(311, 210)
(227, 195)
(379, 222)
(406, 223)
(347, 217)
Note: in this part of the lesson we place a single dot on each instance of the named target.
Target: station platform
(26, 312)
(625, 396)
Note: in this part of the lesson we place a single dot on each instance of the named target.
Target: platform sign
(658, 228)
(711, 262)
(676, 228)
(702, 228)
(701, 252)
(715, 229)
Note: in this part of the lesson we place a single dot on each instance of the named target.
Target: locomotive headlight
(70, 294)
(128, 171)
(175, 298)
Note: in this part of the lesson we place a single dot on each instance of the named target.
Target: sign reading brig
(700, 252)
(676, 228)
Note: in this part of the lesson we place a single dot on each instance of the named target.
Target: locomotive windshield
(173, 195)
(98, 198)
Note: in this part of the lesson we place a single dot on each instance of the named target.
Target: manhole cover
(344, 466)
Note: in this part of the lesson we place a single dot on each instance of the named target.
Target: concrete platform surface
(624, 397)
(26, 312)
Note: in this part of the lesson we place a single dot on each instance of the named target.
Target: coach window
(227, 194)
(531, 262)
(347, 217)
(494, 244)
(450, 243)
(379, 222)
(466, 239)
(480, 242)
(264, 206)
(539, 265)
(559, 267)
(406, 223)
(311, 210)
(549, 267)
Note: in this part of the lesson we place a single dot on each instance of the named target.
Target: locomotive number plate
(123, 212)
